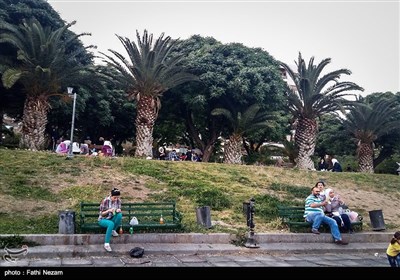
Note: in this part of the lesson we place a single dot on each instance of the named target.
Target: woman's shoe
(107, 247)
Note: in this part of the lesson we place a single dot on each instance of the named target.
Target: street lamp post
(70, 150)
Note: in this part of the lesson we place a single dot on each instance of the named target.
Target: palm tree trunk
(145, 119)
(1, 124)
(233, 150)
(34, 123)
(305, 139)
(365, 154)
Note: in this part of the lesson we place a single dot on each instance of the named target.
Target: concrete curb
(119, 250)
(91, 245)
(200, 238)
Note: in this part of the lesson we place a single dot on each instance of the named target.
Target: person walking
(314, 214)
(393, 250)
(110, 216)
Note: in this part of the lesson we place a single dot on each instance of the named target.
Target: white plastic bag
(134, 221)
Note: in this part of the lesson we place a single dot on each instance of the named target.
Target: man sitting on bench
(314, 213)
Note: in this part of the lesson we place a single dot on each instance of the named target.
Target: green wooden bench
(292, 216)
(147, 213)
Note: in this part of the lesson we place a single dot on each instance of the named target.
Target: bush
(389, 166)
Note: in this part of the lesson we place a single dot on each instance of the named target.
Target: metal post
(70, 150)
(251, 242)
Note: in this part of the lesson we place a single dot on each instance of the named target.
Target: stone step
(76, 251)
(200, 238)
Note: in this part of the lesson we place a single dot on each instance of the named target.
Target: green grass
(35, 186)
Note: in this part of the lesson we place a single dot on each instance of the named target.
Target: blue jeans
(394, 261)
(111, 224)
(316, 218)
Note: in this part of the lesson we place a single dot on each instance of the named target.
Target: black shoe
(341, 242)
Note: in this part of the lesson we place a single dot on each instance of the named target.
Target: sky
(362, 36)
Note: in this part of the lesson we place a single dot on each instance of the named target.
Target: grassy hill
(34, 186)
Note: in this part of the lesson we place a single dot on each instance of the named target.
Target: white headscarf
(327, 191)
(334, 161)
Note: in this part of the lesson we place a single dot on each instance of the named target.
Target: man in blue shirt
(314, 213)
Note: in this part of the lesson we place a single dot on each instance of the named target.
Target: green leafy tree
(367, 122)
(240, 123)
(389, 143)
(333, 138)
(13, 12)
(314, 95)
(149, 71)
(44, 67)
(232, 72)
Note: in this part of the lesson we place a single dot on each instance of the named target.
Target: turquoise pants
(111, 224)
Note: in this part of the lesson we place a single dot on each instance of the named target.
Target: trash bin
(203, 216)
(377, 221)
(66, 224)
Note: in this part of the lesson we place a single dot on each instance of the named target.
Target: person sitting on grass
(314, 214)
(110, 216)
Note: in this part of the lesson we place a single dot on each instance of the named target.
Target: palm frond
(316, 95)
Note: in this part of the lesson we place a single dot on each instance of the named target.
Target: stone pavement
(366, 249)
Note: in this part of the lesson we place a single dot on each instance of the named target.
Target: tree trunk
(206, 144)
(1, 125)
(34, 123)
(208, 151)
(365, 154)
(145, 119)
(233, 150)
(305, 139)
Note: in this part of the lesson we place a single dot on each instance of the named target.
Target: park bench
(292, 216)
(148, 215)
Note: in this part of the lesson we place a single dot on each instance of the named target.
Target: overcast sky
(362, 36)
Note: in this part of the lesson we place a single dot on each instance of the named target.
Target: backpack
(136, 252)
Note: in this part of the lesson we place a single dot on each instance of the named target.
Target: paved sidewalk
(251, 259)
(366, 249)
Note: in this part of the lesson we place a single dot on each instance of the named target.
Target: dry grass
(38, 184)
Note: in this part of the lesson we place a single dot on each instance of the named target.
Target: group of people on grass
(63, 147)
(182, 155)
(329, 164)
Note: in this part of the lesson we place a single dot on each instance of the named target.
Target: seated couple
(314, 214)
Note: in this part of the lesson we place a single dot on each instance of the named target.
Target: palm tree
(367, 122)
(43, 67)
(313, 97)
(150, 71)
(240, 123)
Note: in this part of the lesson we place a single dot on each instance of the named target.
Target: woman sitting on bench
(332, 210)
(110, 216)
